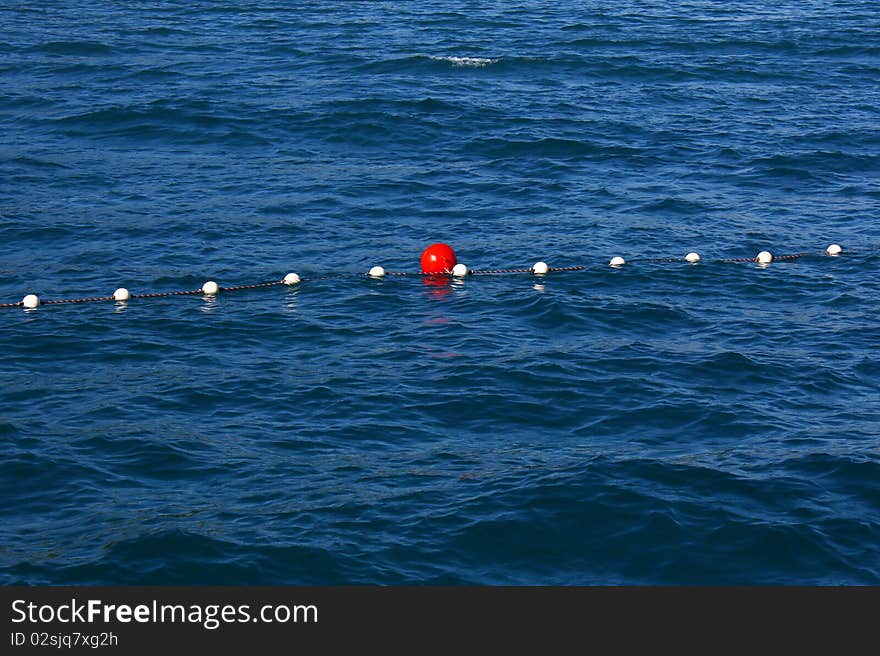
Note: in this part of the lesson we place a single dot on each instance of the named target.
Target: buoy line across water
(436, 260)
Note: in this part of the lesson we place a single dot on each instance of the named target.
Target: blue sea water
(658, 423)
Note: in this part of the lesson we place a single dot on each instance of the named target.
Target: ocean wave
(468, 62)
(424, 64)
(82, 48)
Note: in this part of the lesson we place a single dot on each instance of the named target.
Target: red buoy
(438, 258)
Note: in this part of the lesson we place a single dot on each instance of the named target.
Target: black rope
(476, 272)
(93, 299)
(258, 285)
(191, 292)
(793, 256)
(656, 260)
(496, 272)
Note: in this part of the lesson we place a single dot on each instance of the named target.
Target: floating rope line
(192, 292)
(68, 301)
(660, 260)
(496, 272)
(258, 285)
(764, 260)
(211, 288)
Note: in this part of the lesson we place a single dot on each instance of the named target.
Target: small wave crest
(472, 62)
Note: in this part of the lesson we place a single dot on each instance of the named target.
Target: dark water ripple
(662, 423)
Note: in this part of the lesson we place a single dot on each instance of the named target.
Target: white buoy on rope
(834, 250)
(291, 279)
(377, 272)
(30, 301)
(460, 270)
(764, 257)
(121, 294)
(617, 261)
(210, 288)
(692, 257)
(540, 268)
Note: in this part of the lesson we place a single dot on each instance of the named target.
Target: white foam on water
(474, 62)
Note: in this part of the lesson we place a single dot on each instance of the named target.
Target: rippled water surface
(657, 423)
